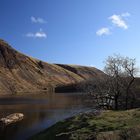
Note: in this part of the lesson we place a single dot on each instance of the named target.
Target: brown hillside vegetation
(22, 74)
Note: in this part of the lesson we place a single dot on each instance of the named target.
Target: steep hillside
(83, 71)
(22, 74)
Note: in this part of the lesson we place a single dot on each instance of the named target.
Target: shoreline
(87, 126)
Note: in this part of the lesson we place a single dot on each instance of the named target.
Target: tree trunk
(116, 102)
(127, 92)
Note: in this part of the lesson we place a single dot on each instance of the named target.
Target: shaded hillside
(21, 73)
(83, 71)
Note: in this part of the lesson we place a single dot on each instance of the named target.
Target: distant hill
(23, 74)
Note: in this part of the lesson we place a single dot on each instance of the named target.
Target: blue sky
(82, 32)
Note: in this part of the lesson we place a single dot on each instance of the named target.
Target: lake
(41, 111)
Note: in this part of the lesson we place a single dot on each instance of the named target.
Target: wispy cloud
(39, 34)
(103, 31)
(119, 21)
(38, 20)
(125, 14)
(91, 65)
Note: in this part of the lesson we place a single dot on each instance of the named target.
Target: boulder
(12, 118)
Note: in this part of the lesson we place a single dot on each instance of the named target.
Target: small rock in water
(12, 118)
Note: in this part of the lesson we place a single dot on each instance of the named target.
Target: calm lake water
(41, 111)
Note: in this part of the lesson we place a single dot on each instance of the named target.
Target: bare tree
(130, 72)
(116, 89)
(121, 71)
(99, 90)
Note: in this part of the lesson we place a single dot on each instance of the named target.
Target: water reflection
(40, 112)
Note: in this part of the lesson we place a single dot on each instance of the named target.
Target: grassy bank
(109, 125)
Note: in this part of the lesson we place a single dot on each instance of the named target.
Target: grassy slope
(109, 125)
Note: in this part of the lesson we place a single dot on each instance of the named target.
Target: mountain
(23, 74)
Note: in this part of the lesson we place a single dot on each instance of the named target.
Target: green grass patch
(88, 126)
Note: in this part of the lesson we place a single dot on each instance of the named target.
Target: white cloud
(37, 20)
(103, 31)
(119, 21)
(91, 65)
(125, 14)
(30, 34)
(39, 34)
